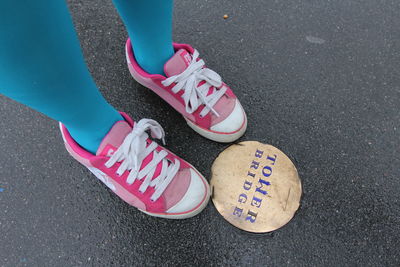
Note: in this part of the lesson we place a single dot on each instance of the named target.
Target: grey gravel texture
(319, 79)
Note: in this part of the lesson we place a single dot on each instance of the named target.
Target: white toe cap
(194, 195)
(233, 122)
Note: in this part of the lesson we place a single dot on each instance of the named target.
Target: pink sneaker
(142, 173)
(198, 93)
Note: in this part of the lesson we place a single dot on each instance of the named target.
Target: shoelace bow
(195, 95)
(135, 149)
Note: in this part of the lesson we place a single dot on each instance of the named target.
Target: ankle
(153, 63)
(90, 135)
(90, 141)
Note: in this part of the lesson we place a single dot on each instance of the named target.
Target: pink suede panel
(177, 63)
(114, 137)
(177, 188)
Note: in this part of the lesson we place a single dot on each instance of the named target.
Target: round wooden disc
(255, 186)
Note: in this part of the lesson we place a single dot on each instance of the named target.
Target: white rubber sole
(193, 213)
(218, 136)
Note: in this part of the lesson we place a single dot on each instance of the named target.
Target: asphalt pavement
(320, 80)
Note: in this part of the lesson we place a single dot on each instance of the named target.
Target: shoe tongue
(114, 138)
(177, 63)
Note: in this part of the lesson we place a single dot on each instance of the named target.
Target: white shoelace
(195, 96)
(133, 151)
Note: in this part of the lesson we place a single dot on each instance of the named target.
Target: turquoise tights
(41, 64)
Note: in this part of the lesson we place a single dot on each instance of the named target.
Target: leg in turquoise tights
(149, 25)
(41, 66)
